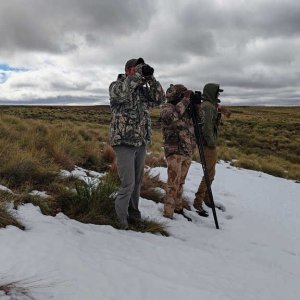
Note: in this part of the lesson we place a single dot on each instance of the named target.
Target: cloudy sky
(68, 51)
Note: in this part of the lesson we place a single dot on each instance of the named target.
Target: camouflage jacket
(177, 128)
(210, 115)
(130, 100)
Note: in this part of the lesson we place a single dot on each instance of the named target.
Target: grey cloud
(251, 48)
(60, 100)
(63, 86)
(47, 25)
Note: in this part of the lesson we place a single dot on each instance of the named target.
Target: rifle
(196, 99)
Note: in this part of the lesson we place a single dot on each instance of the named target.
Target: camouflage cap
(134, 62)
(130, 63)
(175, 91)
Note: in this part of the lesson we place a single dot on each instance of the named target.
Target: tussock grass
(150, 226)
(149, 188)
(95, 204)
(25, 167)
(16, 291)
(7, 217)
(108, 154)
(263, 138)
(37, 142)
(154, 189)
(270, 166)
(155, 161)
(32, 152)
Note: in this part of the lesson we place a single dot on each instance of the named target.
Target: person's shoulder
(120, 79)
(207, 105)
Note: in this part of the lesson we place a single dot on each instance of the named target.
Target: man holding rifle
(210, 119)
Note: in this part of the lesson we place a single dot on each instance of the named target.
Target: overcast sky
(68, 51)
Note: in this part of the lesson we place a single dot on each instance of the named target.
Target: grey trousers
(130, 165)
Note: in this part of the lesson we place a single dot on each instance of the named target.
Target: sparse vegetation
(15, 290)
(37, 142)
(7, 217)
(33, 151)
(265, 139)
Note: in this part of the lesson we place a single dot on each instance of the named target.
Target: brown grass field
(260, 138)
(36, 142)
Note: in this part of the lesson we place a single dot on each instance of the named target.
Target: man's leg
(125, 156)
(185, 165)
(211, 160)
(174, 169)
(133, 209)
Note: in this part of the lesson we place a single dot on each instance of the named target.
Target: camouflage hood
(210, 93)
(175, 93)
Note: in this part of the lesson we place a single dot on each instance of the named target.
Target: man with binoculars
(131, 96)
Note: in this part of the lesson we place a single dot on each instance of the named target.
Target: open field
(261, 138)
(37, 142)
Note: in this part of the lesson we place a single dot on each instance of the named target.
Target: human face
(130, 71)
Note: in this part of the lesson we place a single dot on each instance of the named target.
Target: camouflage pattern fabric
(177, 125)
(178, 167)
(130, 100)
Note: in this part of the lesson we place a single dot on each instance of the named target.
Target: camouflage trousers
(202, 194)
(178, 166)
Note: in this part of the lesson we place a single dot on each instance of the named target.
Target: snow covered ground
(255, 254)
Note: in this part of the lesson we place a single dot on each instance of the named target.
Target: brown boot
(168, 216)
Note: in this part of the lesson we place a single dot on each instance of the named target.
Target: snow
(5, 189)
(41, 194)
(89, 177)
(254, 255)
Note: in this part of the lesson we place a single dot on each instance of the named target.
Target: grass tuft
(15, 291)
(150, 188)
(7, 217)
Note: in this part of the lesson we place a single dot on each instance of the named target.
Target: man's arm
(121, 91)
(172, 113)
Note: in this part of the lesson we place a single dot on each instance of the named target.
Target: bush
(26, 168)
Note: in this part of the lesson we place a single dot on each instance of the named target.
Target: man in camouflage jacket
(131, 96)
(179, 144)
(210, 120)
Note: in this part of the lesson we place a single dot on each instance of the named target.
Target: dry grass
(7, 217)
(36, 142)
(149, 188)
(155, 161)
(263, 138)
(32, 152)
(108, 154)
(16, 291)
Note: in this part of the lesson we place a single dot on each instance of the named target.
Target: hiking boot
(203, 213)
(181, 212)
(208, 204)
(133, 220)
(123, 224)
(168, 216)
